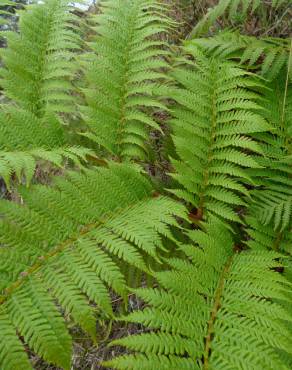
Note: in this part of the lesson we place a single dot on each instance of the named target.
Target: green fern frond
(39, 64)
(25, 139)
(21, 129)
(268, 55)
(125, 65)
(214, 310)
(272, 196)
(263, 237)
(274, 207)
(23, 164)
(65, 244)
(230, 9)
(39, 61)
(212, 126)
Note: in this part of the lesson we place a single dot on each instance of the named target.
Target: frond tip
(39, 61)
(213, 124)
(213, 311)
(122, 71)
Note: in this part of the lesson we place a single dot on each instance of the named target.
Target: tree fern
(65, 243)
(124, 66)
(212, 128)
(268, 55)
(213, 311)
(65, 248)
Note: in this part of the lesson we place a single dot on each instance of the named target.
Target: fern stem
(216, 308)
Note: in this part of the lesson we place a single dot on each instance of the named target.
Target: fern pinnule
(208, 311)
(126, 62)
(66, 244)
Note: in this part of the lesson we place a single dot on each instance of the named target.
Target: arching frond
(65, 244)
(124, 66)
(269, 56)
(230, 9)
(213, 125)
(215, 310)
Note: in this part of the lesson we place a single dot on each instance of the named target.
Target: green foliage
(213, 311)
(122, 70)
(263, 236)
(39, 61)
(232, 9)
(212, 300)
(36, 78)
(212, 133)
(273, 192)
(268, 55)
(67, 243)
(25, 139)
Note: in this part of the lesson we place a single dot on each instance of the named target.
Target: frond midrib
(216, 307)
(124, 89)
(212, 136)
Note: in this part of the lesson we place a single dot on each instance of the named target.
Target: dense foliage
(207, 250)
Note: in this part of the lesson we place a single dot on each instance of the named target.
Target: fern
(39, 66)
(65, 248)
(212, 128)
(268, 55)
(272, 196)
(263, 237)
(39, 61)
(231, 8)
(65, 244)
(213, 311)
(124, 66)
(25, 139)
